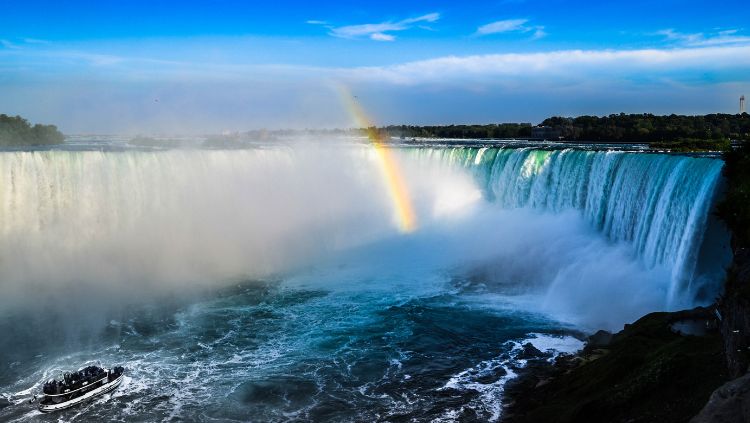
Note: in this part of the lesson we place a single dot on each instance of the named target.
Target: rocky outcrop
(730, 403)
(530, 352)
(735, 311)
(601, 339)
(645, 373)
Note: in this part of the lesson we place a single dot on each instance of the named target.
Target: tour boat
(77, 387)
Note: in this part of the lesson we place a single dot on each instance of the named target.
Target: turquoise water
(274, 285)
(341, 345)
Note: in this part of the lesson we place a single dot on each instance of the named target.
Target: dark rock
(492, 377)
(564, 362)
(742, 259)
(730, 403)
(531, 352)
(4, 403)
(692, 327)
(647, 373)
(734, 308)
(600, 339)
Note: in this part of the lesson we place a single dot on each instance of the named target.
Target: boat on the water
(77, 387)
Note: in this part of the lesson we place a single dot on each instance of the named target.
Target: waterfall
(204, 214)
(168, 219)
(658, 203)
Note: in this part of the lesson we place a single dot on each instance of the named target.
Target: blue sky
(196, 67)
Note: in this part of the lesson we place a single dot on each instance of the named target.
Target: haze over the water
(140, 67)
(565, 226)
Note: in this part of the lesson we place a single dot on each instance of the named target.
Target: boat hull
(107, 387)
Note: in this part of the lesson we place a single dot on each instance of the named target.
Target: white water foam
(488, 403)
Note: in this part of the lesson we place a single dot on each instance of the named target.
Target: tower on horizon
(742, 104)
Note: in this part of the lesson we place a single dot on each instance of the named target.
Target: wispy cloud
(679, 63)
(728, 61)
(378, 31)
(19, 44)
(379, 36)
(511, 25)
(490, 85)
(35, 41)
(8, 44)
(697, 39)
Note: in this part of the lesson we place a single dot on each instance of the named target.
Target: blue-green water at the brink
(274, 284)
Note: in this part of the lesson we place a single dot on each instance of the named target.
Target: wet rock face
(645, 373)
(531, 352)
(742, 258)
(600, 339)
(730, 403)
(735, 310)
(735, 330)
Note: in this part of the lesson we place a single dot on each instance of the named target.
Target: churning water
(273, 284)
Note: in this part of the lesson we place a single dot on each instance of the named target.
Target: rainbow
(388, 164)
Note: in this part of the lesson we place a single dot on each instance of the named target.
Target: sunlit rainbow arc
(393, 177)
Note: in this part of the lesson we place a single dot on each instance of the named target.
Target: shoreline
(652, 370)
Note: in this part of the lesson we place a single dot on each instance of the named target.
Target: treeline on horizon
(15, 131)
(652, 128)
(687, 132)
(646, 128)
(495, 130)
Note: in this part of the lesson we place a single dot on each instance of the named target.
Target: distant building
(742, 104)
(545, 133)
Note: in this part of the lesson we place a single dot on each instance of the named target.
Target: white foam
(555, 344)
(488, 403)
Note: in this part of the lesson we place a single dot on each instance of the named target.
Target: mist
(553, 264)
(126, 227)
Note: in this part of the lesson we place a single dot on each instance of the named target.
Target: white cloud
(19, 44)
(724, 37)
(563, 64)
(507, 25)
(379, 36)
(511, 25)
(379, 31)
(726, 62)
(538, 33)
(35, 41)
(316, 22)
(430, 17)
(8, 44)
(208, 94)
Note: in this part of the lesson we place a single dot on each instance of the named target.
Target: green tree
(16, 131)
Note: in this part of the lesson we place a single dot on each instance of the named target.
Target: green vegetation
(691, 144)
(676, 132)
(650, 128)
(17, 131)
(502, 130)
